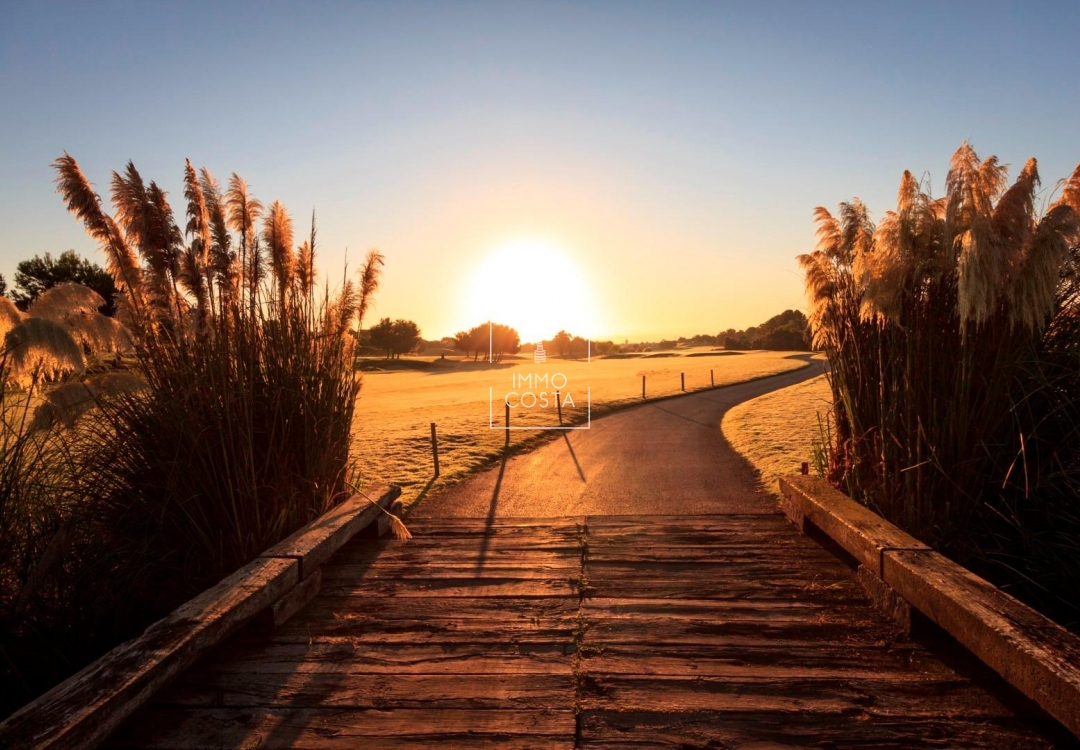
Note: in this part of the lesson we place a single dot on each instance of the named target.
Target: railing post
(507, 422)
(712, 380)
(642, 387)
(558, 405)
(435, 449)
(682, 380)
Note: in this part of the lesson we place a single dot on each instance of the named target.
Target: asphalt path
(667, 456)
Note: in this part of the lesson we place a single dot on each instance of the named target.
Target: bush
(238, 433)
(952, 331)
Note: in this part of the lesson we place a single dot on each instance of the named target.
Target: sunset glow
(532, 285)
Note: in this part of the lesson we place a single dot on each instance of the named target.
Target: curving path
(667, 456)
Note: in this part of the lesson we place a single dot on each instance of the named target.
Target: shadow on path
(573, 455)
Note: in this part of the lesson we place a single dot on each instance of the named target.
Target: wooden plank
(84, 709)
(449, 588)
(164, 728)
(856, 528)
(869, 694)
(769, 660)
(319, 689)
(768, 729)
(728, 589)
(312, 545)
(464, 570)
(360, 656)
(688, 631)
(326, 609)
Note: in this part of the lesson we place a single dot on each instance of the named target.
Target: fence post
(507, 422)
(682, 379)
(642, 387)
(558, 405)
(435, 449)
(712, 380)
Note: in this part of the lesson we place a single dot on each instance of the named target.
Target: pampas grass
(124, 494)
(951, 329)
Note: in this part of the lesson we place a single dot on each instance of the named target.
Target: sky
(624, 170)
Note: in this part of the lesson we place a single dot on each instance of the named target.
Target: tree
(34, 276)
(473, 341)
(579, 347)
(504, 340)
(406, 336)
(3, 286)
(561, 343)
(394, 337)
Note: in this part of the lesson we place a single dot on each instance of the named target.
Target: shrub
(952, 332)
(236, 431)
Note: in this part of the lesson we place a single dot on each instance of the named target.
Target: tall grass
(952, 331)
(235, 433)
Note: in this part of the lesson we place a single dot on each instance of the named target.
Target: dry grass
(395, 409)
(776, 432)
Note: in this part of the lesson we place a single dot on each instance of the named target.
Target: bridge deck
(716, 631)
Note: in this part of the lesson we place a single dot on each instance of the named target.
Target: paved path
(703, 620)
(663, 457)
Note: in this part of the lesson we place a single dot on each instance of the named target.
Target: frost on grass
(776, 432)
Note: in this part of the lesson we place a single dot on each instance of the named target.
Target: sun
(532, 286)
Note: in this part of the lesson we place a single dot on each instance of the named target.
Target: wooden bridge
(725, 630)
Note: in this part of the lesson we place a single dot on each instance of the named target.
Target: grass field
(776, 432)
(397, 405)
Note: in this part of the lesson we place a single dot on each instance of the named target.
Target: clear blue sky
(673, 151)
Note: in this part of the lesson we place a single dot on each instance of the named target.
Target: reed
(952, 332)
(124, 494)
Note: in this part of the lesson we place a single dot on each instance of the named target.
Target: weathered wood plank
(769, 660)
(397, 571)
(792, 633)
(874, 695)
(327, 609)
(765, 729)
(515, 691)
(313, 545)
(164, 728)
(856, 528)
(449, 588)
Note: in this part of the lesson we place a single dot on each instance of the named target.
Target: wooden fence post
(682, 379)
(507, 423)
(558, 405)
(712, 380)
(435, 449)
(642, 387)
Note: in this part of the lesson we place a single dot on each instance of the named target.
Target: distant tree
(579, 347)
(473, 341)
(3, 286)
(381, 337)
(499, 339)
(393, 337)
(406, 337)
(560, 344)
(34, 276)
(504, 340)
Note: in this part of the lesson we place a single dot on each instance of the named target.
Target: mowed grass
(776, 432)
(392, 429)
